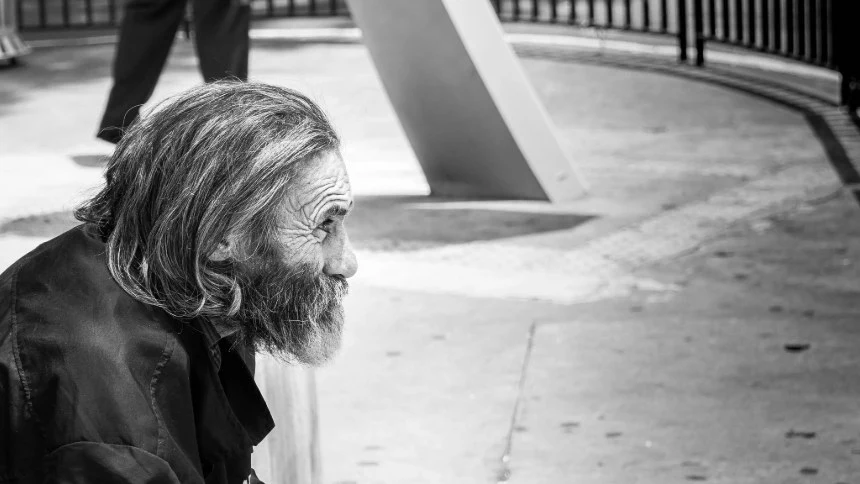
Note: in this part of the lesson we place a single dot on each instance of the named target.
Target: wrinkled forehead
(320, 183)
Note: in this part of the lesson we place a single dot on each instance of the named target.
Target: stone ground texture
(484, 341)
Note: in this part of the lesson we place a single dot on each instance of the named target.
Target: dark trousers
(146, 35)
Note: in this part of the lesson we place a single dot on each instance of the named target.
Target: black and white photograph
(429, 241)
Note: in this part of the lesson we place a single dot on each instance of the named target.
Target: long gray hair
(213, 161)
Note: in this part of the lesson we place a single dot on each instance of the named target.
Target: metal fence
(650, 16)
(71, 14)
(819, 32)
(799, 29)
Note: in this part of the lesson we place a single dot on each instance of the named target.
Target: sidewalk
(573, 340)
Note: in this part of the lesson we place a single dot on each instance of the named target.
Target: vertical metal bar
(664, 16)
(111, 6)
(88, 12)
(712, 18)
(332, 7)
(765, 25)
(699, 27)
(19, 14)
(825, 32)
(535, 10)
(312, 7)
(646, 15)
(609, 19)
(726, 20)
(843, 51)
(814, 14)
(553, 11)
(67, 21)
(801, 28)
(789, 27)
(739, 21)
(628, 15)
(751, 23)
(516, 10)
(777, 25)
(270, 8)
(682, 30)
(291, 8)
(43, 21)
(590, 12)
(571, 16)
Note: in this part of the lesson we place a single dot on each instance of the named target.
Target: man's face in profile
(293, 288)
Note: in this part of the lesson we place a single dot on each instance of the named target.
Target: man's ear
(226, 250)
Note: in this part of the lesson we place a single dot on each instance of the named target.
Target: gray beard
(290, 313)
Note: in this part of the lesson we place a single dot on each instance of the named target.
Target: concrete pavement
(518, 341)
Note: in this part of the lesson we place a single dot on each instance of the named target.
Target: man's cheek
(304, 251)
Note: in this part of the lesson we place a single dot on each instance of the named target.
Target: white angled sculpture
(473, 119)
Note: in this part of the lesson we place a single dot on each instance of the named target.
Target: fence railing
(799, 29)
(818, 32)
(650, 16)
(70, 14)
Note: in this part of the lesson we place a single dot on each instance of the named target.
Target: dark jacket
(98, 387)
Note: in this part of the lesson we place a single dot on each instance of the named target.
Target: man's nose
(343, 264)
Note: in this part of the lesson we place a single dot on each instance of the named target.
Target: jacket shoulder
(87, 355)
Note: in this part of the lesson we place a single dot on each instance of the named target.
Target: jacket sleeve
(88, 462)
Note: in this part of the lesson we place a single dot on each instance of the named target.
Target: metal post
(646, 15)
(739, 21)
(789, 27)
(682, 30)
(628, 15)
(699, 27)
(664, 16)
(712, 18)
(66, 16)
(43, 14)
(814, 15)
(777, 25)
(801, 28)
(826, 33)
(751, 23)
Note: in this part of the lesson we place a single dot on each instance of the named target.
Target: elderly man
(127, 343)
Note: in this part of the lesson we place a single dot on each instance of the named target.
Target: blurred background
(693, 317)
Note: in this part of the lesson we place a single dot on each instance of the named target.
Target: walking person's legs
(221, 36)
(146, 35)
